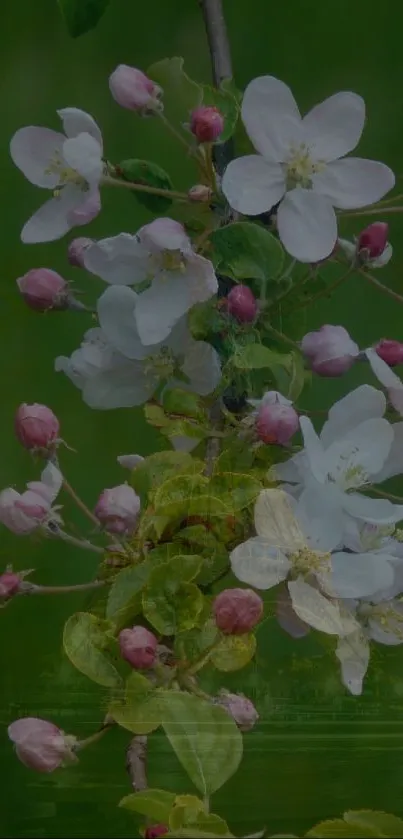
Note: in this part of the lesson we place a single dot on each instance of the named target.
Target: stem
(136, 762)
(78, 543)
(217, 37)
(281, 336)
(82, 744)
(77, 500)
(107, 180)
(206, 802)
(191, 150)
(373, 212)
(31, 588)
(380, 286)
(384, 494)
(325, 291)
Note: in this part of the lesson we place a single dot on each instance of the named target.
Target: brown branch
(217, 37)
(136, 762)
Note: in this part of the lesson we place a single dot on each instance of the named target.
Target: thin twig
(73, 540)
(380, 286)
(372, 212)
(152, 190)
(77, 500)
(31, 588)
(324, 292)
(136, 762)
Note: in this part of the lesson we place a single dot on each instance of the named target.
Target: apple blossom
(162, 250)
(387, 378)
(154, 831)
(36, 426)
(43, 289)
(76, 250)
(390, 351)
(24, 513)
(206, 123)
(240, 708)
(329, 350)
(68, 164)
(276, 423)
(113, 369)
(117, 509)
(237, 610)
(40, 745)
(138, 646)
(241, 304)
(132, 89)
(298, 166)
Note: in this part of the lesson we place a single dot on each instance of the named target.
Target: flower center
(300, 167)
(67, 175)
(160, 366)
(172, 260)
(306, 562)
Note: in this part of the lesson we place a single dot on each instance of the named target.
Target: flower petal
(394, 462)
(360, 454)
(334, 127)
(83, 154)
(384, 258)
(77, 122)
(87, 210)
(275, 521)
(387, 378)
(252, 185)
(286, 617)
(202, 366)
(316, 610)
(32, 150)
(353, 653)
(321, 517)
(124, 385)
(307, 225)
(386, 623)
(116, 312)
(51, 221)
(372, 510)
(314, 451)
(119, 260)
(354, 182)
(257, 563)
(271, 117)
(357, 575)
(365, 402)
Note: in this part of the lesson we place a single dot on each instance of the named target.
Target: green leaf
(226, 103)
(149, 174)
(204, 319)
(296, 372)
(229, 86)
(189, 812)
(245, 250)
(84, 639)
(81, 16)
(234, 456)
(194, 832)
(140, 712)
(155, 804)
(191, 645)
(339, 829)
(257, 356)
(156, 468)
(214, 553)
(180, 94)
(170, 602)
(189, 495)
(385, 823)
(235, 491)
(204, 737)
(233, 652)
(124, 599)
(177, 401)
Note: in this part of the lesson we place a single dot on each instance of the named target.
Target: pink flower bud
(132, 89)
(156, 830)
(206, 123)
(36, 426)
(276, 423)
(76, 251)
(40, 745)
(117, 509)
(373, 239)
(330, 350)
(200, 192)
(237, 610)
(240, 708)
(241, 304)
(390, 351)
(43, 289)
(9, 584)
(23, 513)
(138, 646)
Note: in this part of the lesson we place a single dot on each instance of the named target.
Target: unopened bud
(40, 745)
(240, 708)
(373, 240)
(390, 351)
(156, 830)
(36, 426)
(138, 646)
(76, 251)
(118, 508)
(237, 610)
(10, 583)
(276, 423)
(206, 123)
(132, 89)
(200, 192)
(330, 350)
(43, 289)
(241, 304)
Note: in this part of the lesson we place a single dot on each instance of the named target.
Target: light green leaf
(257, 356)
(177, 401)
(84, 639)
(81, 16)
(385, 823)
(236, 491)
(245, 250)
(339, 829)
(226, 103)
(214, 553)
(229, 86)
(170, 603)
(204, 737)
(191, 645)
(233, 652)
(141, 710)
(180, 94)
(189, 495)
(156, 468)
(124, 599)
(194, 832)
(149, 174)
(189, 812)
(155, 804)
(296, 375)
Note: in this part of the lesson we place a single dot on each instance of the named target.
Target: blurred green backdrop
(317, 750)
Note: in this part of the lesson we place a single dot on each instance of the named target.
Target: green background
(317, 750)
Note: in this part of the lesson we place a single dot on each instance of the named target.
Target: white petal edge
(271, 117)
(354, 182)
(257, 563)
(307, 225)
(252, 185)
(334, 127)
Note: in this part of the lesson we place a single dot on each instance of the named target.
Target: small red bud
(241, 304)
(36, 426)
(207, 123)
(276, 423)
(373, 239)
(138, 646)
(391, 352)
(237, 610)
(43, 289)
(156, 830)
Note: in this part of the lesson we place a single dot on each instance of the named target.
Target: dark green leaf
(245, 250)
(82, 15)
(385, 823)
(124, 599)
(191, 645)
(85, 639)
(257, 356)
(149, 174)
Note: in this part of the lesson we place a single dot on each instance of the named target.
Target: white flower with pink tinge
(162, 251)
(69, 164)
(298, 166)
(22, 513)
